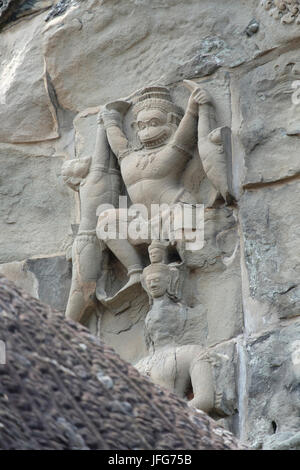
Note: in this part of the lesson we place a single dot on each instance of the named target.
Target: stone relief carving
(98, 181)
(287, 11)
(148, 166)
(214, 145)
(253, 78)
(151, 171)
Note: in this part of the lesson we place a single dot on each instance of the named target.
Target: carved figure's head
(157, 251)
(74, 171)
(157, 117)
(157, 278)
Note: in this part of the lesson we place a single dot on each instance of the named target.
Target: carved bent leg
(117, 240)
(86, 257)
(127, 255)
(203, 385)
(121, 246)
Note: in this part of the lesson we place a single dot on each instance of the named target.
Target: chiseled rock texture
(59, 62)
(61, 388)
(273, 385)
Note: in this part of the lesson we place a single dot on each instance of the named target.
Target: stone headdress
(157, 268)
(157, 97)
(162, 244)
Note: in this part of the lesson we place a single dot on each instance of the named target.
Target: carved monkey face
(157, 284)
(153, 128)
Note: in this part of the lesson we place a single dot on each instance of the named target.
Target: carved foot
(123, 298)
(135, 278)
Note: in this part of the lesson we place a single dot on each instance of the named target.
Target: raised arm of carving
(112, 117)
(75, 171)
(198, 116)
(101, 156)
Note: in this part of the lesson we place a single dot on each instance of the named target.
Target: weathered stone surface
(283, 441)
(58, 9)
(13, 10)
(22, 277)
(216, 283)
(58, 68)
(46, 279)
(267, 113)
(221, 295)
(125, 331)
(7, 8)
(85, 126)
(35, 206)
(273, 375)
(285, 11)
(27, 112)
(140, 43)
(54, 280)
(271, 230)
(224, 360)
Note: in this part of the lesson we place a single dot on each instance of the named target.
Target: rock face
(60, 63)
(273, 380)
(63, 389)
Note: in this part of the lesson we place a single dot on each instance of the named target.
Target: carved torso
(152, 176)
(165, 323)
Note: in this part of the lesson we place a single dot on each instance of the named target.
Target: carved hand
(200, 96)
(108, 117)
(113, 112)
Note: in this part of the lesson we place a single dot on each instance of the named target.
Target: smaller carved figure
(157, 251)
(97, 180)
(183, 368)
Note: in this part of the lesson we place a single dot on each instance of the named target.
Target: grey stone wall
(58, 65)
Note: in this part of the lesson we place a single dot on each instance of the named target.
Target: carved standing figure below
(183, 368)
